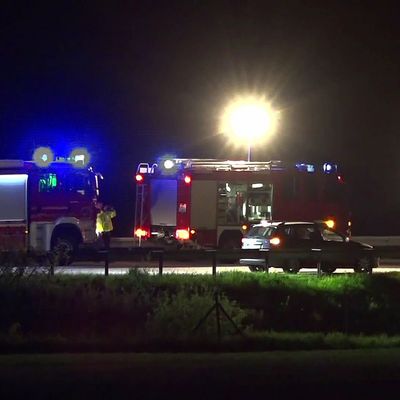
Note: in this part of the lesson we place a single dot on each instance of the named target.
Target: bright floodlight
(249, 120)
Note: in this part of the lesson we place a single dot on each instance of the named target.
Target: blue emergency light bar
(44, 156)
(329, 168)
(304, 167)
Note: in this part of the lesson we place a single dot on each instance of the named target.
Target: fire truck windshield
(80, 182)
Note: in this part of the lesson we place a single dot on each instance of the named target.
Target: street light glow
(248, 120)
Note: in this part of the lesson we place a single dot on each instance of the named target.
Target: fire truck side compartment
(13, 211)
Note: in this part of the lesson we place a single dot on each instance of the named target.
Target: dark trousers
(106, 237)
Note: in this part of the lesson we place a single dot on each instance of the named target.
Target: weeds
(169, 306)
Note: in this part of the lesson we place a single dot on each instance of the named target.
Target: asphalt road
(182, 267)
(343, 374)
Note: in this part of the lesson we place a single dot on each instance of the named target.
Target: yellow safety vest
(104, 222)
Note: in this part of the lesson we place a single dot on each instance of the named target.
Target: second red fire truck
(47, 205)
(214, 202)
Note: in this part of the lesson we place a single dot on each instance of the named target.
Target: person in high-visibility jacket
(104, 224)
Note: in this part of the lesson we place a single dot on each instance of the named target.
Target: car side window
(331, 236)
(307, 232)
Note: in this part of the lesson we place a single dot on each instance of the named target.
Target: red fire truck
(213, 202)
(42, 208)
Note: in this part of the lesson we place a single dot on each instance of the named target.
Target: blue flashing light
(329, 168)
(43, 157)
(304, 167)
(80, 157)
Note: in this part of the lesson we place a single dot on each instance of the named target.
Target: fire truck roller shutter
(163, 202)
(13, 211)
(65, 242)
(204, 205)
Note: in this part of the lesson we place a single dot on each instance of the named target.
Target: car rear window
(261, 231)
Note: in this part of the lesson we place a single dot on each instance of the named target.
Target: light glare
(43, 156)
(248, 120)
(330, 223)
(168, 164)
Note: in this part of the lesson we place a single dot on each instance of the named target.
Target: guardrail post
(266, 260)
(106, 259)
(160, 261)
(317, 253)
(214, 261)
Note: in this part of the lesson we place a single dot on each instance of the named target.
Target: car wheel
(364, 265)
(292, 266)
(328, 269)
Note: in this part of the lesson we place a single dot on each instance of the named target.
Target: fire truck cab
(214, 202)
(45, 207)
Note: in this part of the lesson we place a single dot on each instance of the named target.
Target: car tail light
(182, 234)
(275, 241)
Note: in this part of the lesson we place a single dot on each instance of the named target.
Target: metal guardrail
(129, 242)
(378, 240)
(212, 256)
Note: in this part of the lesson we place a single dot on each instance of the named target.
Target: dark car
(295, 245)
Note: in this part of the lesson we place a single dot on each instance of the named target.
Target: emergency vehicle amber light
(330, 223)
(187, 179)
(275, 241)
(182, 234)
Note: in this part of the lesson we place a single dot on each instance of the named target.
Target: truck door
(13, 212)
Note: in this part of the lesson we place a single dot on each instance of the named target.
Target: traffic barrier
(212, 256)
(378, 240)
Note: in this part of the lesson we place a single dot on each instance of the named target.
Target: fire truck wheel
(291, 266)
(64, 249)
(363, 265)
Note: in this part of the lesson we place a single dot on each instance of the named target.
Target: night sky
(134, 80)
